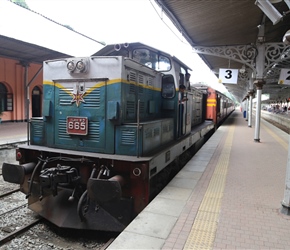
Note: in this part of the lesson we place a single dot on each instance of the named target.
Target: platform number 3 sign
(284, 76)
(228, 76)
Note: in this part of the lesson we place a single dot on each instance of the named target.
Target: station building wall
(13, 90)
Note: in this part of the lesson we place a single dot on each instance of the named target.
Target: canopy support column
(247, 108)
(286, 200)
(259, 84)
(251, 93)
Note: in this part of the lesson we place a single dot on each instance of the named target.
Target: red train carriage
(218, 105)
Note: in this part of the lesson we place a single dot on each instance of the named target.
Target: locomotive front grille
(93, 100)
(94, 132)
(62, 134)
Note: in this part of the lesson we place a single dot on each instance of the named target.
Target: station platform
(12, 133)
(228, 196)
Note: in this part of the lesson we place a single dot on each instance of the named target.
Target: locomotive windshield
(152, 59)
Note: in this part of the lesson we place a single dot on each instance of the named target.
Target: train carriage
(218, 105)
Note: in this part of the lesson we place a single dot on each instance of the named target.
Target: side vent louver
(128, 137)
(142, 107)
(132, 76)
(141, 79)
(141, 90)
(132, 89)
(150, 81)
(130, 108)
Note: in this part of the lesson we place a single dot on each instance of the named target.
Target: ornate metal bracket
(275, 54)
(244, 54)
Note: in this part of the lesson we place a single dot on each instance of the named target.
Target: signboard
(284, 77)
(228, 76)
(77, 125)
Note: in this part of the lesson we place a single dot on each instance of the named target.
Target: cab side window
(168, 86)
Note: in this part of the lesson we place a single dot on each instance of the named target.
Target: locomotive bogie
(119, 189)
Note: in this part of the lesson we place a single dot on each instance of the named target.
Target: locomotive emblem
(78, 96)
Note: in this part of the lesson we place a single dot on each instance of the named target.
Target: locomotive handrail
(138, 126)
(81, 80)
(61, 59)
(103, 57)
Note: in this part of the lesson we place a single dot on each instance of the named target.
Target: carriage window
(152, 59)
(168, 86)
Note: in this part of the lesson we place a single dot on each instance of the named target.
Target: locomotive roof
(111, 47)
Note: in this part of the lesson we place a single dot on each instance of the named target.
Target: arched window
(6, 103)
(3, 97)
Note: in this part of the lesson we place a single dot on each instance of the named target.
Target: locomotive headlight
(81, 66)
(78, 65)
(70, 66)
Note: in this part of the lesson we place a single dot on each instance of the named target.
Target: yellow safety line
(277, 138)
(204, 228)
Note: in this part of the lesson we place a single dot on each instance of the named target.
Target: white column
(286, 199)
(259, 84)
(250, 109)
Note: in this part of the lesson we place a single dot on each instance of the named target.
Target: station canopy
(227, 34)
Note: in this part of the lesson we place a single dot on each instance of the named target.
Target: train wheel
(83, 206)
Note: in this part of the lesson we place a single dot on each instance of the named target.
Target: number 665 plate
(76, 125)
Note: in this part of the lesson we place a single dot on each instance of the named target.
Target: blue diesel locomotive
(115, 127)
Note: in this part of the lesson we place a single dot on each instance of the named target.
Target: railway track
(7, 193)
(21, 228)
(278, 125)
(15, 218)
(18, 232)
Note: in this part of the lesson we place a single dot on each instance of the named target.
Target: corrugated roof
(27, 52)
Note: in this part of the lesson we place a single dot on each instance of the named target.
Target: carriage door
(218, 109)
